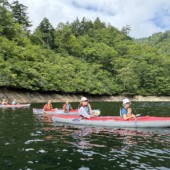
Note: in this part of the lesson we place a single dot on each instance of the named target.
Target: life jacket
(121, 111)
(87, 109)
(67, 107)
(14, 102)
(49, 107)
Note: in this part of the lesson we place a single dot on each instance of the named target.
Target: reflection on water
(117, 144)
(29, 142)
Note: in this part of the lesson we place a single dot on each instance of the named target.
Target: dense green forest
(84, 56)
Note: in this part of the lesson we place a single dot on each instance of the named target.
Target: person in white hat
(126, 111)
(85, 109)
(14, 102)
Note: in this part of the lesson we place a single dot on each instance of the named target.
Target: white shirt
(82, 111)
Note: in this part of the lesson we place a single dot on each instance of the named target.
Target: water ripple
(34, 140)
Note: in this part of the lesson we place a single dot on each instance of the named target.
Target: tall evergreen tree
(75, 27)
(81, 27)
(86, 25)
(5, 4)
(44, 34)
(126, 29)
(20, 14)
(6, 20)
(98, 24)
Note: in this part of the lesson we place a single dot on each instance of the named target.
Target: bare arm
(129, 114)
(125, 117)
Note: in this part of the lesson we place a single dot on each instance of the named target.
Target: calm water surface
(29, 142)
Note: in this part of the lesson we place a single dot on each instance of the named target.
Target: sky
(145, 17)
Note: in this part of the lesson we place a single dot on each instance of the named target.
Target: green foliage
(35, 68)
(19, 14)
(126, 29)
(5, 4)
(80, 57)
(44, 34)
(6, 23)
(160, 41)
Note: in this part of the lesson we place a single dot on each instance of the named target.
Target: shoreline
(38, 97)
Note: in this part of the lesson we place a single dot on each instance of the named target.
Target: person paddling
(85, 109)
(67, 106)
(4, 102)
(14, 102)
(126, 111)
(48, 106)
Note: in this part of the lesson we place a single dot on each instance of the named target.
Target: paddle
(77, 119)
(138, 115)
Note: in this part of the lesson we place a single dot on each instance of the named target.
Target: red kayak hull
(114, 121)
(14, 105)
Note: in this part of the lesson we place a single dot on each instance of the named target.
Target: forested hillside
(161, 41)
(79, 57)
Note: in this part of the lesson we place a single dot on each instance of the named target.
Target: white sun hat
(83, 99)
(126, 101)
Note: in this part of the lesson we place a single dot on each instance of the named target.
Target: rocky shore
(37, 97)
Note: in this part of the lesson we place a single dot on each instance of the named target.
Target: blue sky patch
(161, 19)
(89, 7)
(92, 7)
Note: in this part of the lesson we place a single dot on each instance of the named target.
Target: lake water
(29, 142)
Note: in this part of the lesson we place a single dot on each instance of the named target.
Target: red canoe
(114, 121)
(14, 105)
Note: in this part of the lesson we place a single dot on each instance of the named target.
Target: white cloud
(144, 16)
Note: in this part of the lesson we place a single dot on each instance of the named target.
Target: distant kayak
(14, 105)
(114, 121)
(58, 111)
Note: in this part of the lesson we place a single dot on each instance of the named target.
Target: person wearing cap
(85, 109)
(67, 106)
(14, 102)
(126, 111)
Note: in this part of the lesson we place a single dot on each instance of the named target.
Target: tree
(82, 57)
(4, 4)
(86, 26)
(98, 24)
(80, 28)
(20, 14)
(75, 27)
(127, 78)
(7, 25)
(44, 34)
(126, 29)
(62, 36)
